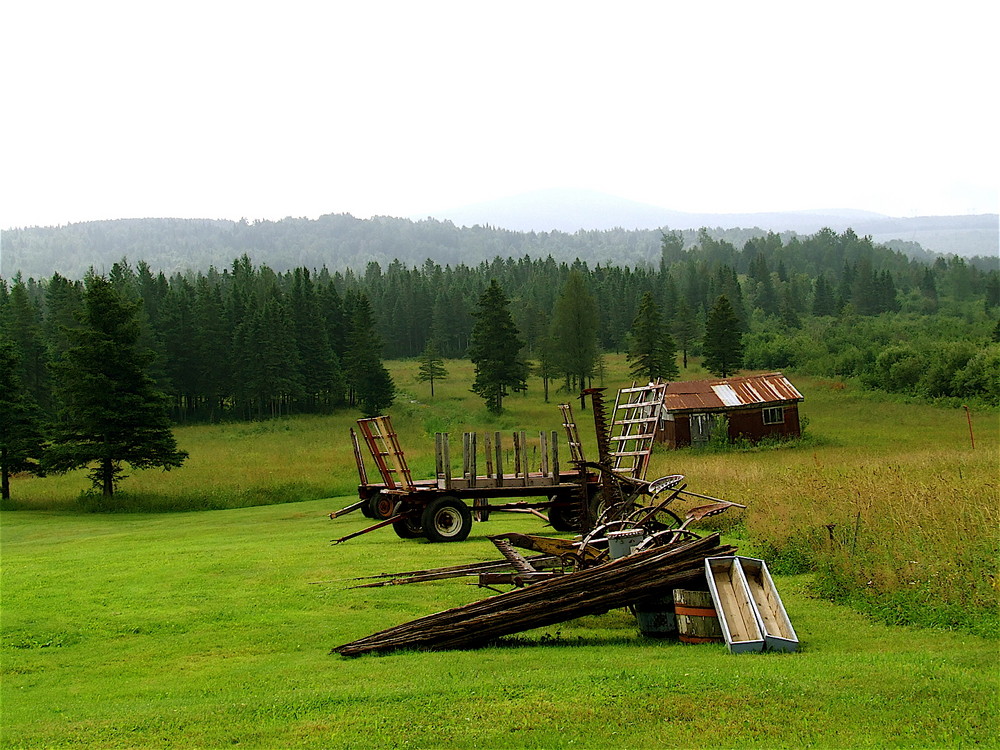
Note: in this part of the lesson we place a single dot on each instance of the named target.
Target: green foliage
(495, 350)
(723, 339)
(652, 352)
(431, 365)
(111, 412)
(369, 384)
(251, 342)
(574, 330)
(21, 439)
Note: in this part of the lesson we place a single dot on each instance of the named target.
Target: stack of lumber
(596, 590)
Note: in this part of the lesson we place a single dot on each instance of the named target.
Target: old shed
(755, 407)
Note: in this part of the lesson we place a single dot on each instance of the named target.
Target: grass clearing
(213, 629)
(195, 629)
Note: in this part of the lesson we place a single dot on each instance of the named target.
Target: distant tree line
(341, 241)
(247, 342)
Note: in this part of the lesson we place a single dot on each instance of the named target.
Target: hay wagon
(526, 477)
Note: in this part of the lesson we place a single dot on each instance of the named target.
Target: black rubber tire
(366, 509)
(408, 528)
(446, 519)
(381, 505)
(564, 516)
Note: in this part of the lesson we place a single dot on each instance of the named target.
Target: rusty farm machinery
(610, 493)
(631, 550)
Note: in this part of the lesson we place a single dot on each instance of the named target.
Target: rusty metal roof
(736, 392)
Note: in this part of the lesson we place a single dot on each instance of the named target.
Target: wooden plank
(488, 451)
(498, 447)
(446, 456)
(543, 450)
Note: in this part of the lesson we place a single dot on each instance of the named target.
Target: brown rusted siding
(743, 423)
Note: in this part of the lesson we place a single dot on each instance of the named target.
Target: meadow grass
(214, 629)
(185, 629)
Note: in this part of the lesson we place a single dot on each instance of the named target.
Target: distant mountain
(564, 225)
(570, 210)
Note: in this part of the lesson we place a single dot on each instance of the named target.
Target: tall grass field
(199, 608)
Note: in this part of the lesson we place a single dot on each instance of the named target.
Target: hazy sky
(266, 110)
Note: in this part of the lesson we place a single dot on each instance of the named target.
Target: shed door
(701, 427)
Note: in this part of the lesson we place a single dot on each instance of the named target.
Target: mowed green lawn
(213, 629)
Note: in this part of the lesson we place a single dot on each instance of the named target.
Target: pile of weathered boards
(663, 585)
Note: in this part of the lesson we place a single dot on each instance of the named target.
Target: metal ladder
(633, 426)
(383, 444)
(572, 434)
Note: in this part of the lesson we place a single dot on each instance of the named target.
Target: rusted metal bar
(362, 472)
(373, 527)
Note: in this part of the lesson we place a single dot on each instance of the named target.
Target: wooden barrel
(697, 620)
(655, 616)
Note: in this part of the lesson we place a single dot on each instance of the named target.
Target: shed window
(774, 415)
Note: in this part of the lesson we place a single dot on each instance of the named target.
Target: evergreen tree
(546, 367)
(787, 313)
(23, 325)
(369, 384)
(21, 438)
(495, 350)
(574, 330)
(322, 379)
(766, 298)
(211, 341)
(431, 365)
(652, 351)
(723, 342)
(685, 328)
(824, 302)
(111, 412)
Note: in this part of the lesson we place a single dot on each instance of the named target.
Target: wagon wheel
(665, 537)
(564, 516)
(408, 528)
(381, 505)
(617, 512)
(662, 519)
(446, 519)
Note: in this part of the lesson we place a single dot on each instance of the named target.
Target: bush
(980, 377)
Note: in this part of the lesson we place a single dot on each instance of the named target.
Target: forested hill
(335, 241)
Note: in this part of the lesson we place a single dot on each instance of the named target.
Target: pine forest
(248, 342)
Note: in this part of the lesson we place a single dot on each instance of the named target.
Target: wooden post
(543, 450)
(517, 455)
(446, 458)
(438, 460)
(499, 449)
(465, 456)
(968, 416)
(524, 449)
(555, 456)
(488, 450)
(473, 467)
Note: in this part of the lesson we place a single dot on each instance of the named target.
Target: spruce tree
(652, 351)
(21, 439)
(111, 412)
(685, 328)
(723, 342)
(574, 330)
(495, 350)
(369, 384)
(431, 365)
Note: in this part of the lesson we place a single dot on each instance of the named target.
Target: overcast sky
(271, 109)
